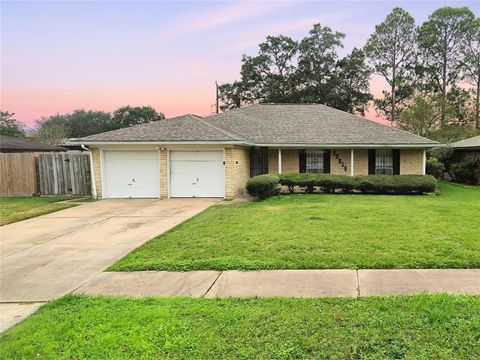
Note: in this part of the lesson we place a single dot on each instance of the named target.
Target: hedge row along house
(214, 156)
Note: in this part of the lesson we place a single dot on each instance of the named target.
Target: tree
(83, 123)
(420, 117)
(127, 116)
(267, 77)
(9, 126)
(470, 63)
(441, 38)
(392, 51)
(459, 106)
(317, 64)
(352, 88)
(52, 130)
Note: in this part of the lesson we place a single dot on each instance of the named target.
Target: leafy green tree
(441, 38)
(317, 64)
(83, 123)
(470, 63)
(9, 126)
(232, 95)
(53, 130)
(128, 116)
(420, 117)
(352, 83)
(459, 106)
(392, 51)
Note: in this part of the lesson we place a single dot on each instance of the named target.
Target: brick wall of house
(97, 171)
(237, 171)
(411, 162)
(290, 162)
(273, 161)
(360, 161)
(335, 166)
(163, 173)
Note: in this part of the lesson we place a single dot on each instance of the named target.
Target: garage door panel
(197, 174)
(131, 174)
(197, 156)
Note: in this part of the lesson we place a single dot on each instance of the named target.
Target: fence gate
(59, 174)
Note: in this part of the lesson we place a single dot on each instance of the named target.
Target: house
(467, 149)
(14, 145)
(191, 156)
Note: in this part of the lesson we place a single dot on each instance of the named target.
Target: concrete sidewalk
(286, 283)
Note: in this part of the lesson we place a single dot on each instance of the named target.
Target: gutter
(351, 146)
(92, 172)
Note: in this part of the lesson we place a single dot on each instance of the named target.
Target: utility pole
(216, 97)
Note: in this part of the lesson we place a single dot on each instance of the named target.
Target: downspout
(92, 172)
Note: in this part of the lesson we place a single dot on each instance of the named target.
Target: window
(314, 161)
(384, 162)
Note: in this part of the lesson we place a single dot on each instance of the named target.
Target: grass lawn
(13, 209)
(323, 231)
(416, 327)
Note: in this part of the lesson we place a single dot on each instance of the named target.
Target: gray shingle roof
(182, 128)
(10, 144)
(268, 124)
(309, 124)
(472, 142)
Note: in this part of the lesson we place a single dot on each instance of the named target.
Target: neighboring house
(190, 156)
(468, 149)
(14, 145)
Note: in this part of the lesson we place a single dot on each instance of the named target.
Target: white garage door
(196, 174)
(132, 174)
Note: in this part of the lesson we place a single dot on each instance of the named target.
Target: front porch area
(339, 161)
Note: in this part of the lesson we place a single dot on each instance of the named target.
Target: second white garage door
(197, 174)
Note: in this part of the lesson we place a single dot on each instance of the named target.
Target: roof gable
(182, 128)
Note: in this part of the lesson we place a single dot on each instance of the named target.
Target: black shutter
(326, 161)
(371, 161)
(396, 161)
(302, 161)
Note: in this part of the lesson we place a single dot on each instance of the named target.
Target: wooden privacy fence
(17, 174)
(63, 173)
(45, 174)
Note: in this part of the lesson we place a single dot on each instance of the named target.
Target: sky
(99, 55)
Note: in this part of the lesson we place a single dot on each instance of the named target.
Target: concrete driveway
(51, 255)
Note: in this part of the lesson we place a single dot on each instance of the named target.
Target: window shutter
(371, 161)
(396, 161)
(302, 161)
(326, 161)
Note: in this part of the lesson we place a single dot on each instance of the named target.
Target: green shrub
(374, 184)
(396, 184)
(263, 186)
(466, 171)
(435, 168)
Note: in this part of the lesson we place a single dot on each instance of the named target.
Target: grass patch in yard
(17, 208)
(320, 231)
(419, 327)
